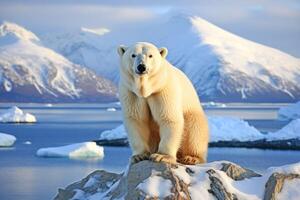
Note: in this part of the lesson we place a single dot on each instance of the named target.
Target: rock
(238, 173)
(275, 184)
(151, 181)
(217, 187)
(98, 181)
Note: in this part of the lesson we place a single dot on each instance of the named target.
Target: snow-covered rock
(7, 140)
(16, 115)
(221, 129)
(290, 112)
(78, 150)
(290, 131)
(217, 180)
(30, 72)
(222, 66)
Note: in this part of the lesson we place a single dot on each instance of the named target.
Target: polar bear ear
(122, 49)
(163, 52)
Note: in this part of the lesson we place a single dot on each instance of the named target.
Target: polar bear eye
(133, 55)
(150, 56)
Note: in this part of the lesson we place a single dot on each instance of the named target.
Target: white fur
(162, 112)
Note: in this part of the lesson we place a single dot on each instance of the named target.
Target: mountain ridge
(30, 72)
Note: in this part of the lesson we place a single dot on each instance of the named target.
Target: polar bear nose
(141, 68)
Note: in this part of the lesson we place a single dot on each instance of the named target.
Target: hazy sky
(275, 23)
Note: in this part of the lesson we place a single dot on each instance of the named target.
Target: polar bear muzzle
(141, 69)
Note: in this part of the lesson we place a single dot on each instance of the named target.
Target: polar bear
(161, 110)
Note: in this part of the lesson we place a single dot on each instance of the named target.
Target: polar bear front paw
(139, 157)
(156, 157)
(191, 160)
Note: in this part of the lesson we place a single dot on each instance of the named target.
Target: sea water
(24, 176)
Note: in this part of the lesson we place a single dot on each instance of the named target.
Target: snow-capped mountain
(30, 72)
(226, 67)
(86, 47)
(222, 66)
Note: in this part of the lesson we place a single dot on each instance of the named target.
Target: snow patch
(78, 150)
(156, 186)
(7, 85)
(290, 190)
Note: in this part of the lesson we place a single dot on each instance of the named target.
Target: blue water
(26, 176)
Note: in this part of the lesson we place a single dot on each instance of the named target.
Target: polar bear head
(141, 58)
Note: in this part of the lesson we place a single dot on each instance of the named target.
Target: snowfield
(78, 150)
(222, 66)
(7, 140)
(290, 112)
(16, 115)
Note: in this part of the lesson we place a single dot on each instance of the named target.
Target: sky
(275, 23)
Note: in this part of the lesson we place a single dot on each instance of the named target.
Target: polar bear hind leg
(193, 149)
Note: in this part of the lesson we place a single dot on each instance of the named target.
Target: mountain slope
(226, 67)
(87, 47)
(30, 72)
(222, 66)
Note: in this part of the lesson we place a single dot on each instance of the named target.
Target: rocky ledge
(217, 180)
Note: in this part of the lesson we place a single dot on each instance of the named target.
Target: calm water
(25, 176)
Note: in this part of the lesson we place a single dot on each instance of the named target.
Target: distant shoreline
(290, 144)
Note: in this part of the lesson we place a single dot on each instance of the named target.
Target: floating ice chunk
(7, 140)
(77, 150)
(15, 114)
(111, 109)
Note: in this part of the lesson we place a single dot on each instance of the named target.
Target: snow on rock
(156, 186)
(290, 112)
(222, 66)
(290, 190)
(221, 129)
(16, 115)
(290, 131)
(78, 150)
(30, 72)
(286, 169)
(7, 140)
(216, 180)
